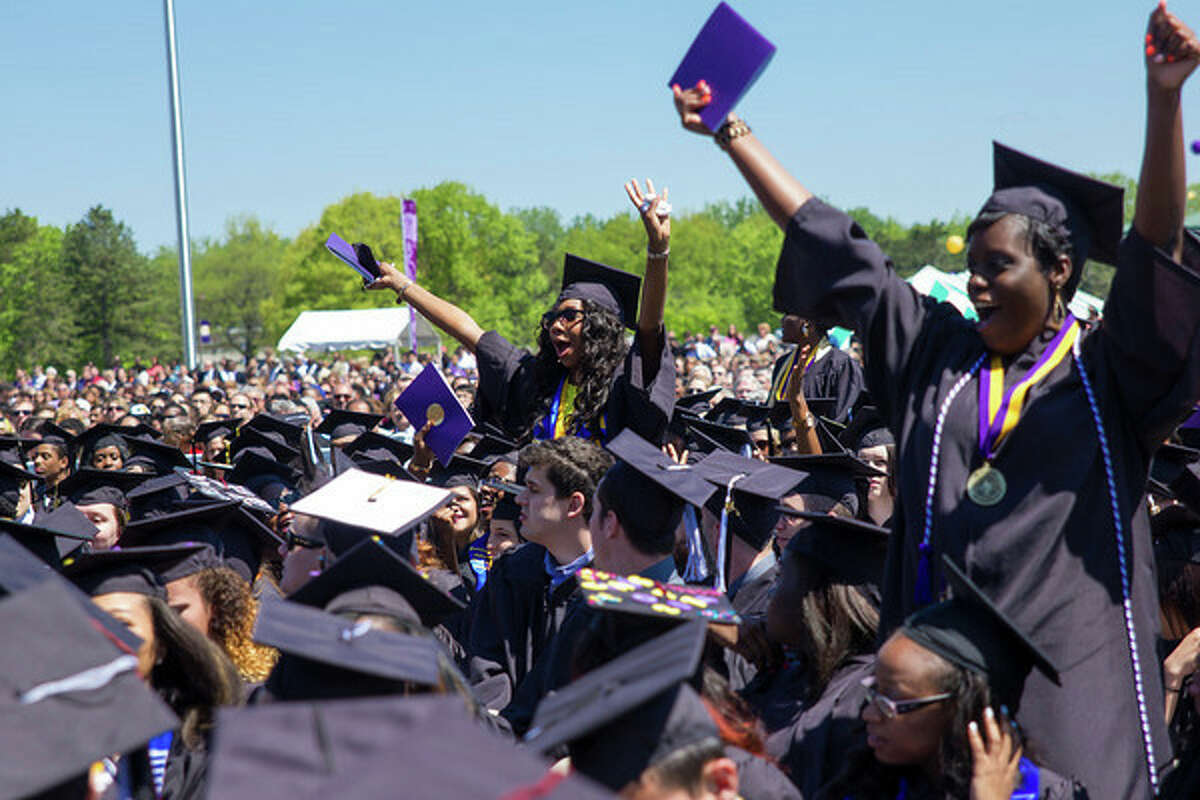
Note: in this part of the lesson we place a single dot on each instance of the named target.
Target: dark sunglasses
(21, 412)
(293, 540)
(568, 315)
(240, 406)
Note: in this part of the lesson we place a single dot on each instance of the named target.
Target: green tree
(36, 310)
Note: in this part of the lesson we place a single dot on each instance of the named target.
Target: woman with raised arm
(1023, 445)
(584, 381)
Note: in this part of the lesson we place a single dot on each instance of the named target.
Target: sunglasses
(568, 315)
(240, 406)
(294, 540)
(23, 412)
(342, 396)
(893, 708)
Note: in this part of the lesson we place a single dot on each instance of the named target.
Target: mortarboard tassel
(696, 570)
(723, 536)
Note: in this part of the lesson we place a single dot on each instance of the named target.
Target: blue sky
(289, 106)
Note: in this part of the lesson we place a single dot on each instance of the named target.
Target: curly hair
(572, 465)
(602, 350)
(1044, 241)
(231, 625)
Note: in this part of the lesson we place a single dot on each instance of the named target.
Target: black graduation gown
(759, 779)
(749, 600)
(833, 374)
(641, 397)
(811, 750)
(512, 619)
(777, 696)
(1047, 553)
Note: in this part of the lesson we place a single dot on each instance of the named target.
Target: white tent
(952, 287)
(356, 329)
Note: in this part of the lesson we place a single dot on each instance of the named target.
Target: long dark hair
(193, 675)
(602, 350)
(838, 621)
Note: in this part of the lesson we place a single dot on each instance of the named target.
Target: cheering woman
(584, 381)
(1023, 445)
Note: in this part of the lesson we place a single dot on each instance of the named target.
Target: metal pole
(185, 250)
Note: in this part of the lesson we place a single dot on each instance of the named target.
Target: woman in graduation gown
(1050, 524)
(584, 380)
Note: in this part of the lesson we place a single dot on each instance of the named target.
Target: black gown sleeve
(507, 386)
(642, 396)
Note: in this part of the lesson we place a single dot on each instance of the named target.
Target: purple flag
(429, 397)
(729, 54)
(409, 222)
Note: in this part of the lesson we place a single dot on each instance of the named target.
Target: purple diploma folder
(729, 54)
(429, 397)
(349, 254)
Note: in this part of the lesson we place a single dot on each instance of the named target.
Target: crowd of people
(938, 558)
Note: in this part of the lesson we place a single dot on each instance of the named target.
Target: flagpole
(186, 303)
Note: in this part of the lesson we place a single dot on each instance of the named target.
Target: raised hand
(655, 212)
(688, 103)
(389, 278)
(995, 756)
(1172, 49)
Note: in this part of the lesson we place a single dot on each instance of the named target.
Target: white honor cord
(89, 679)
(1126, 589)
(936, 451)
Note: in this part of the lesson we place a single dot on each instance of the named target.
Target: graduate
(1041, 500)
(584, 380)
(825, 371)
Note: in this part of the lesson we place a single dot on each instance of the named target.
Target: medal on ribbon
(999, 411)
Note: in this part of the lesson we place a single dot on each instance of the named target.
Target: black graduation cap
(867, 429)
(712, 435)
(236, 535)
(356, 647)
(13, 475)
(53, 434)
(1189, 430)
(630, 713)
(612, 289)
(264, 423)
(339, 424)
(1092, 212)
(1178, 469)
(372, 562)
(52, 534)
(461, 471)
(372, 446)
(87, 486)
(271, 441)
(756, 493)
(207, 431)
(841, 463)
(157, 495)
(102, 435)
(697, 402)
(255, 462)
(126, 569)
(734, 412)
(971, 631)
(58, 726)
(852, 550)
(492, 448)
(161, 458)
(359, 747)
(12, 449)
(651, 474)
(385, 466)
(1179, 544)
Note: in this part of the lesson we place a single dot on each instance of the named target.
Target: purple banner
(409, 223)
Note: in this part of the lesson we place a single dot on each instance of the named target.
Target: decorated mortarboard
(161, 458)
(88, 486)
(630, 713)
(971, 631)
(372, 502)
(236, 536)
(358, 748)
(729, 55)
(372, 446)
(867, 429)
(429, 398)
(698, 402)
(634, 594)
(223, 428)
(202, 487)
(126, 569)
(1089, 212)
(852, 550)
(614, 290)
(69, 696)
(271, 441)
(291, 432)
(340, 424)
(357, 647)
(372, 563)
(52, 534)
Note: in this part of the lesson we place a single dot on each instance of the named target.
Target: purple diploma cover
(430, 398)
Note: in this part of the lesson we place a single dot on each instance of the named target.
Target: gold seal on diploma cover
(986, 486)
(435, 414)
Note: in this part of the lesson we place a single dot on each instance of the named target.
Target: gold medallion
(986, 486)
(435, 414)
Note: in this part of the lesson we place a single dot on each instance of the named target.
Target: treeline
(85, 293)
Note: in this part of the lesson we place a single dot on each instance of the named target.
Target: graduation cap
(698, 402)
(100, 436)
(969, 630)
(126, 569)
(1189, 430)
(234, 534)
(271, 441)
(1178, 469)
(359, 747)
(371, 562)
(12, 449)
(829, 475)
(12, 476)
(385, 467)
(372, 446)
(634, 594)
(651, 481)
(88, 486)
(1090, 212)
(461, 471)
(867, 429)
(157, 495)
(161, 458)
(630, 713)
(734, 412)
(715, 436)
(53, 434)
(842, 463)
(372, 503)
(253, 464)
(491, 448)
(852, 550)
(207, 431)
(70, 692)
(614, 290)
(52, 534)
(339, 424)
(757, 489)
(266, 423)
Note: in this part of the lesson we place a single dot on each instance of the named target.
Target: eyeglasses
(763, 444)
(240, 406)
(23, 412)
(893, 708)
(568, 315)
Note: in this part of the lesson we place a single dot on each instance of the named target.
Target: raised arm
(447, 316)
(656, 217)
(1172, 53)
(781, 194)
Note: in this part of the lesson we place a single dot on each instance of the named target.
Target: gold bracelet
(732, 128)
